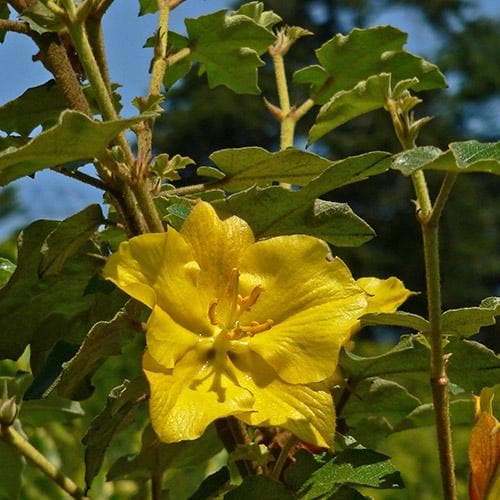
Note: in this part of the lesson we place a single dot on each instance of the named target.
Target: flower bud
(8, 411)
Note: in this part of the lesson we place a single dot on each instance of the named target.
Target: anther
(256, 327)
(247, 302)
(212, 314)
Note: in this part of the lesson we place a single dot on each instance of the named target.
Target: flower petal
(167, 340)
(217, 246)
(159, 269)
(384, 295)
(185, 400)
(312, 301)
(305, 410)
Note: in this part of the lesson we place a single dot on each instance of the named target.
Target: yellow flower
(238, 327)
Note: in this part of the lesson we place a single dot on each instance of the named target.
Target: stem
(160, 50)
(148, 207)
(304, 108)
(283, 456)
(156, 484)
(80, 176)
(288, 122)
(14, 439)
(177, 56)
(424, 200)
(7, 25)
(194, 188)
(232, 433)
(442, 197)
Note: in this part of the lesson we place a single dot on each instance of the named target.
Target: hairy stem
(10, 436)
(160, 50)
(148, 207)
(438, 377)
(18, 27)
(288, 121)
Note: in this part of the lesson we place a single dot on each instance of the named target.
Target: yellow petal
(313, 303)
(217, 245)
(159, 269)
(484, 449)
(167, 340)
(305, 410)
(185, 400)
(384, 295)
(135, 265)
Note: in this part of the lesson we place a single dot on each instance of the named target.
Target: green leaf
(348, 493)
(259, 487)
(462, 157)
(347, 60)
(11, 471)
(469, 320)
(472, 365)
(147, 7)
(229, 48)
(122, 401)
(4, 14)
(358, 466)
(38, 412)
(185, 463)
(76, 137)
(297, 473)
(461, 412)
(211, 486)
(255, 10)
(398, 318)
(275, 211)
(368, 95)
(55, 305)
(378, 397)
(65, 240)
(407, 357)
(6, 270)
(41, 19)
(245, 167)
(105, 339)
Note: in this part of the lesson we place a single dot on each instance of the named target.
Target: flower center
(235, 305)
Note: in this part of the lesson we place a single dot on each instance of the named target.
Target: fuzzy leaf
(75, 138)
(147, 7)
(229, 48)
(407, 357)
(378, 397)
(104, 339)
(65, 240)
(469, 320)
(211, 485)
(245, 167)
(55, 304)
(41, 19)
(398, 318)
(347, 60)
(358, 466)
(6, 270)
(368, 95)
(462, 157)
(472, 365)
(255, 11)
(38, 412)
(274, 211)
(122, 400)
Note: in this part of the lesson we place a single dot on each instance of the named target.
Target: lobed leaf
(398, 318)
(274, 211)
(368, 95)
(245, 167)
(228, 47)
(103, 340)
(255, 11)
(121, 402)
(358, 466)
(75, 138)
(461, 157)
(347, 60)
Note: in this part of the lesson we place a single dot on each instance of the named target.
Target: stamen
(256, 327)
(212, 314)
(247, 302)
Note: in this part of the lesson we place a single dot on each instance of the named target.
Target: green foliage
(74, 139)
(398, 318)
(4, 14)
(375, 50)
(462, 157)
(258, 487)
(228, 47)
(6, 270)
(11, 469)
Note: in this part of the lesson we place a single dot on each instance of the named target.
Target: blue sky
(53, 196)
